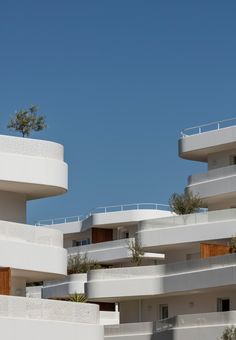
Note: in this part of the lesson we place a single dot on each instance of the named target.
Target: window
(76, 243)
(232, 160)
(223, 305)
(163, 312)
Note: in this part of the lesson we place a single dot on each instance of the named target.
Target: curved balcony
(208, 326)
(32, 252)
(25, 317)
(214, 184)
(198, 142)
(32, 167)
(203, 226)
(117, 284)
(65, 287)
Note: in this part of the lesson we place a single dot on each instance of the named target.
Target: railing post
(199, 130)
(218, 125)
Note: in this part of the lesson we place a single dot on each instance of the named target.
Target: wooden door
(5, 281)
(101, 235)
(209, 249)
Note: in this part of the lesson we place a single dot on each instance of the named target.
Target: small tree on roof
(185, 203)
(26, 120)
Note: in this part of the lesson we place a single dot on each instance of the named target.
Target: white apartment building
(32, 169)
(186, 287)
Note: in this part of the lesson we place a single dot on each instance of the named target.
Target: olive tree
(137, 252)
(185, 203)
(81, 264)
(229, 333)
(26, 120)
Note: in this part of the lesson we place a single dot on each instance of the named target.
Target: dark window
(164, 311)
(223, 305)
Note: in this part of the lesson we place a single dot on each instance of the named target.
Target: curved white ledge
(119, 284)
(199, 146)
(36, 252)
(218, 185)
(212, 225)
(115, 218)
(192, 326)
(65, 287)
(32, 167)
(46, 319)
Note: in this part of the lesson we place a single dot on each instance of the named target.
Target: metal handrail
(217, 124)
(107, 209)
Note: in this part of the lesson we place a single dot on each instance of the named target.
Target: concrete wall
(12, 207)
(14, 328)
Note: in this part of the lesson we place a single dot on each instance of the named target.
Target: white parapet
(63, 288)
(32, 252)
(199, 143)
(32, 167)
(23, 318)
(208, 326)
(202, 226)
(117, 284)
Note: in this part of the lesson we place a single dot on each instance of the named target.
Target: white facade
(32, 169)
(178, 292)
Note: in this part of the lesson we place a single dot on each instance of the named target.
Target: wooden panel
(5, 281)
(101, 235)
(209, 249)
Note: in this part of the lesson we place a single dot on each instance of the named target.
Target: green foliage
(229, 333)
(232, 244)
(185, 203)
(25, 121)
(137, 252)
(81, 264)
(78, 297)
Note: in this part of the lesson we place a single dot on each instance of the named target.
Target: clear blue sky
(118, 80)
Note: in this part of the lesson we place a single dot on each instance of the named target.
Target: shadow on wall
(167, 335)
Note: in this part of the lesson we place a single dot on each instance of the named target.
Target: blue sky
(118, 80)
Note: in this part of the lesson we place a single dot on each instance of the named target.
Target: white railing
(208, 127)
(43, 309)
(104, 210)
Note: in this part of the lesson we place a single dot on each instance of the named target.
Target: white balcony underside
(24, 318)
(119, 284)
(199, 146)
(155, 234)
(208, 326)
